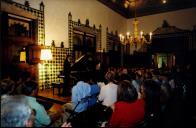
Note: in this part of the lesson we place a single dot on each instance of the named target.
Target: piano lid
(85, 63)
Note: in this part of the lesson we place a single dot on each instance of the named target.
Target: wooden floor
(52, 103)
(48, 94)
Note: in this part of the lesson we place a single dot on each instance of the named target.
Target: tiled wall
(40, 17)
(76, 24)
(113, 41)
(50, 69)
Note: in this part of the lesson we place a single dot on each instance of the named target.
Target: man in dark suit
(66, 72)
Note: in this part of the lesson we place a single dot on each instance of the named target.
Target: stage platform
(47, 95)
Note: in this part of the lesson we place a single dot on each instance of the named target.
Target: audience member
(99, 73)
(30, 89)
(108, 93)
(22, 78)
(137, 82)
(128, 110)
(79, 92)
(75, 111)
(95, 90)
(6, 86)
(150, 91)
(15, 112)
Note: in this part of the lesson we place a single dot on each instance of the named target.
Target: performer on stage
(66, 72)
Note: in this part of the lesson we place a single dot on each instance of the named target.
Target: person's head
(126, 91)
(97, 65)
(124, 77)
(124, 71)
(110, 76)
(30, 88)
(84, 76)
(68, 58)
(15, 112)
(6, 86)
(137, 76)
(165, 93)
(150, 89)
(148, 75)
(92, 79)
(25, 76)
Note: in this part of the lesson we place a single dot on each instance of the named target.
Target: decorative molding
(113, 41)
(166, 29)
(27, 11)
(76, 27)
(12, 9)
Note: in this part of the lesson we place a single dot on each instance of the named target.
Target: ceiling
(147, 7)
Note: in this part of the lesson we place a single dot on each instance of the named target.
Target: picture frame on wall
(33, 54)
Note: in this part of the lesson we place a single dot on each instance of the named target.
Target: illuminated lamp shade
(46, 54)
(22, 56)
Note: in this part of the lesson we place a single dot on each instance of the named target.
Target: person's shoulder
(75, 86)
(140, 101)
(114, 85)
(100, 84)
(121, 104)
(30, 98)
(34, 103)
(81, 84)
(94, 85)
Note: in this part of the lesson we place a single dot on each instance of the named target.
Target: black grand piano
(86, 63)
(83, 65)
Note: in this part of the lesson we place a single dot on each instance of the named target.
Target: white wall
(184, 19)
(56, 17)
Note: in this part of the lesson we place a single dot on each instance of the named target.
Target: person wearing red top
(128, 110)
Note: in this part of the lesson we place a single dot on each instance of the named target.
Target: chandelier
(137, 38)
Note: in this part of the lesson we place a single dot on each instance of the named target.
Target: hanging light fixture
(137, 38)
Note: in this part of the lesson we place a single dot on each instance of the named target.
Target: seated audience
(15, 112)
(95, 89)
(23, 77)
(108, 93)
(79, 92)
(165, 95)
(137, 82)
(30, 89)
(151, 91)
(99, 73)
(6, 86)
(128, 111)
(124, 75)
(80, 99)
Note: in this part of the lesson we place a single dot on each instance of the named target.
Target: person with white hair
(15, 112)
